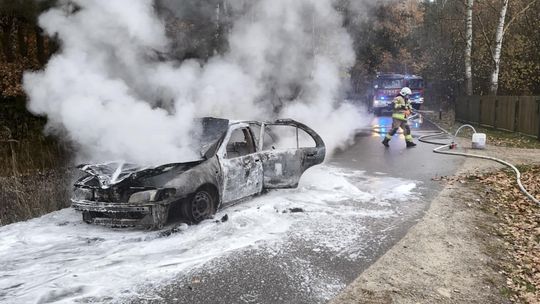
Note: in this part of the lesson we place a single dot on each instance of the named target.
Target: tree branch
(488, 42)
(493, 8)
(517, 15)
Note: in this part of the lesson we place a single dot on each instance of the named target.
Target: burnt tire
(87, 217)
(200, 206)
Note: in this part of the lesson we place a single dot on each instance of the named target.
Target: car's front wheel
(200, 206)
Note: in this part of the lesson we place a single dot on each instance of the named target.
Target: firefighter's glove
(407, 113)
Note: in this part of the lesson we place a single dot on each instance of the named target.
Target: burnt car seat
(237, 149)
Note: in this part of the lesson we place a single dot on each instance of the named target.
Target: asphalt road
(297, 273)
(418, 163)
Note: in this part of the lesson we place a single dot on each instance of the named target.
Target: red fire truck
(387, 86)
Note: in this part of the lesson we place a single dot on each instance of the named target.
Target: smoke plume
(120, 91)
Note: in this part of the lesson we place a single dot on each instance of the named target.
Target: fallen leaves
(519, 227)
(451, 179)
(502, 138)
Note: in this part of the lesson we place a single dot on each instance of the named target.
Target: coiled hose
(452, 145)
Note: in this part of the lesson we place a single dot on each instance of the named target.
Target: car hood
(109, 174)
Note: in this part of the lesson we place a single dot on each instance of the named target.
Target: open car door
(242, 168)
(287, 149)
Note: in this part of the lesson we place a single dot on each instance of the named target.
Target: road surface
(303, 272)
(299, 245)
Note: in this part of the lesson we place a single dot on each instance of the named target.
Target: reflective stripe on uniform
(400, 106)
(399, 101)
(398, 115)
(408, 137)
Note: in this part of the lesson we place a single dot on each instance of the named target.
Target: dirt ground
(452, 254)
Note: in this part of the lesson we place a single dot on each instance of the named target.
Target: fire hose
(452, 145)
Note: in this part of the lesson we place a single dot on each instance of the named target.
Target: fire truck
(387, 86)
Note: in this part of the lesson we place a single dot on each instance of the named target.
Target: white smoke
(111, 93)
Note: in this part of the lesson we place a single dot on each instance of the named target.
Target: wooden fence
(511, 113)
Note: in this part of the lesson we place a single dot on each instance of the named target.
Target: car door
(241, 164)
(288, 148)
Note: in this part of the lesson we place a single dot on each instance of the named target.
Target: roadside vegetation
(33, 167)
(27, 196)
(495, 137)
(502, 138)
(518, 225)
(33, 178)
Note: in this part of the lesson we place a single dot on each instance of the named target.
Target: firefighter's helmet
(405, 92)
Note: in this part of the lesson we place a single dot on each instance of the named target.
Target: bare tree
(468, 48)
(7, 25)
(501, 31)
(494, 83)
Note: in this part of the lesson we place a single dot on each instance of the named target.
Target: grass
(27, 196)
(500, 137)
(33, 176)
(507, 293)
(33, 179)
(495, 137)
(24, 149)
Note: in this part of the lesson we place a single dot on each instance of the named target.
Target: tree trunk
(21, 39)
(468, 49)
(40, 45)
(7, 26)
(494, 84)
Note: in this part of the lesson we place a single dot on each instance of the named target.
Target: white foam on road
(59, 259)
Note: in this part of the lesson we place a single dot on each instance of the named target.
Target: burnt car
(239, 159)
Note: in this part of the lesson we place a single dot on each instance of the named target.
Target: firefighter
(402, 109)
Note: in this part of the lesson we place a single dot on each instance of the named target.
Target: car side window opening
(255, 133)
(240, 143)
(268, 140)
(286, 137)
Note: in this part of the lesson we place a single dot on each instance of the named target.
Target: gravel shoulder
(451, 255)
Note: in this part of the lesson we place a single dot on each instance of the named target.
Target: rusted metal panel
(529, 115)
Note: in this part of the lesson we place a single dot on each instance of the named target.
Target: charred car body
(240, 159)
